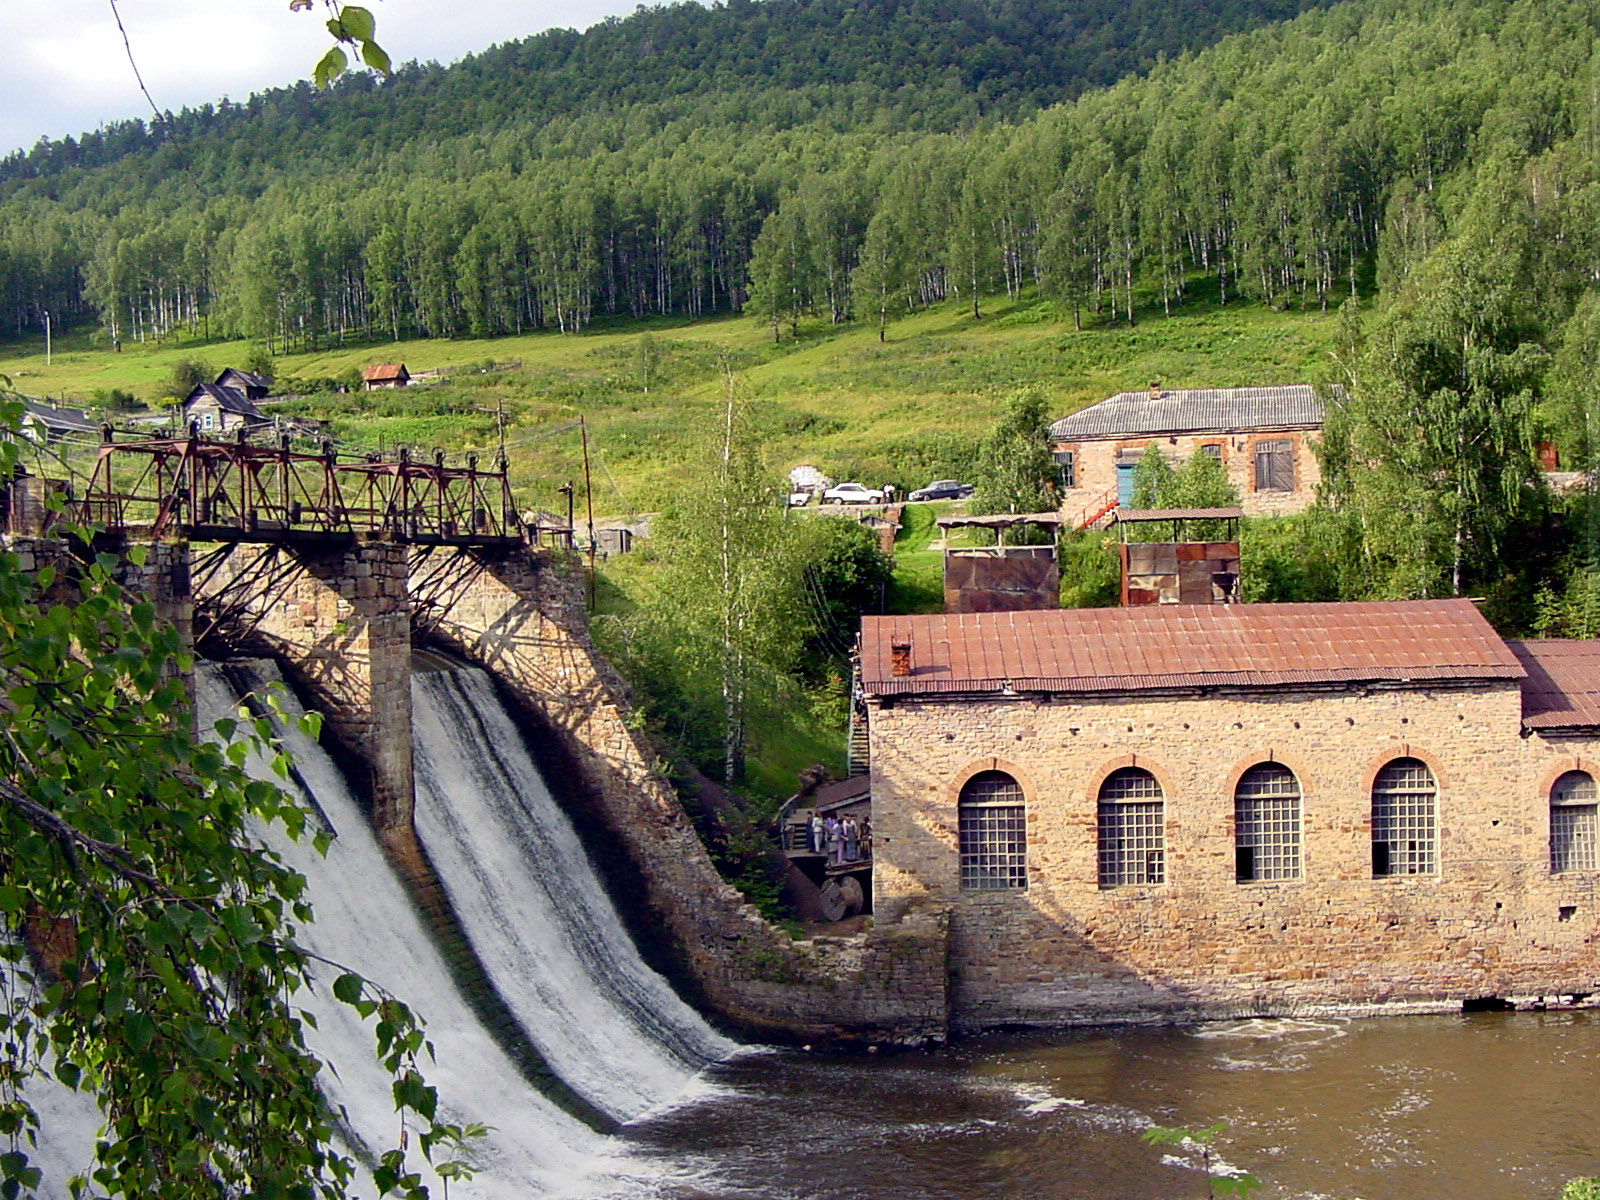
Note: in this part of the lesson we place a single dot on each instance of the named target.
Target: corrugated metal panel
(1132, 515)
(1181, 646)
(1194, 410)
(1562, 690)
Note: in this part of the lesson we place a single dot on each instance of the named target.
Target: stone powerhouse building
(1148, 812)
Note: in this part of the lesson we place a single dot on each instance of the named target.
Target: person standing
(817, 832)
(830, 843)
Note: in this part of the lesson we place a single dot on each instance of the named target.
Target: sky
(67, 71)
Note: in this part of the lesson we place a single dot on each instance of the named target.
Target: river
(1491, 1106)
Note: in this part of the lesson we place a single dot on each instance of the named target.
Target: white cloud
(67, 70)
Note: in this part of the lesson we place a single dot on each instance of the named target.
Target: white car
(853, 493)
(799, 499)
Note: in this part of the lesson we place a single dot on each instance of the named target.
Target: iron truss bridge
(220, 491)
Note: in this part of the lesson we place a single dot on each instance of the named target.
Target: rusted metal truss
(243, 492)
(440, 576)
(234, 591)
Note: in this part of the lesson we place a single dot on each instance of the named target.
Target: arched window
(1266, 824)
(1572, 822)
(993, 833)
(1403, 819)
(1133, 846)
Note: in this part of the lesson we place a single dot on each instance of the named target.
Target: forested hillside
(933, 64)
(559, 179)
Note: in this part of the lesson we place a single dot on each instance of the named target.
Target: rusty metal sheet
(1185, 645)
(1562, 689)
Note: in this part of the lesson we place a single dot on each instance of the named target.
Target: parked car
(853, 493)
(799, 499)
(943, 489)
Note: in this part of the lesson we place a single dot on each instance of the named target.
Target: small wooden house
(213, 409)
(254, 387)
(386, 375)
(43, 422)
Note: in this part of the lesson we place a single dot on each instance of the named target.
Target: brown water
(1484, 1107)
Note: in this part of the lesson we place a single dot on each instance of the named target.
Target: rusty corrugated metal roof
(1159, 646)
(1131, 515)
(1562, 690)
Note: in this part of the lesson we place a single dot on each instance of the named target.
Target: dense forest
(763, 156)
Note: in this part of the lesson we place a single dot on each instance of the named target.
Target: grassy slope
(834, 397)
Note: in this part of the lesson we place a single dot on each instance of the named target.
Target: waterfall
(365, 920)
(534, 910)
(547, 938)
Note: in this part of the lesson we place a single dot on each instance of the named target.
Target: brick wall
(1064, 950)
(1096, 467)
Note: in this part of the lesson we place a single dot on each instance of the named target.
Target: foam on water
(535, 912)
(365, 921)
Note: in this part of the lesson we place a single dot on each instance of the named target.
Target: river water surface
(1492, 1106)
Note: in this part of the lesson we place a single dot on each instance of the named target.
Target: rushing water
(1487, 1107)
(535, 912)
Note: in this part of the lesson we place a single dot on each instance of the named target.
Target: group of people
(842, 839)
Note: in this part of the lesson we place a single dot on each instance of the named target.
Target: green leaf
(358, 22)
(347, 987)
(375, 57)
(330, 67)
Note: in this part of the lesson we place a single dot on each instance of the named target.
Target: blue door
(1125, 484)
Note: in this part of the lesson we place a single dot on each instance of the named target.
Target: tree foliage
(147, 950)
(1432, 454)
(670, 180)
(1016, 470)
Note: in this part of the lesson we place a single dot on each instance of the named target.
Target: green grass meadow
(901, 411)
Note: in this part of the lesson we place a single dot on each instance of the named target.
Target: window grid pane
(1132, 829)
(1403, 819)
(1575, 787)
(1572, 837)
(1267, 823)
(993, 833)
(1572, 822)
(993, 847)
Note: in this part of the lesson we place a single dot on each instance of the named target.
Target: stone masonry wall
(1096, 467)
(1493, 921)
(523, 619)
(343, 628)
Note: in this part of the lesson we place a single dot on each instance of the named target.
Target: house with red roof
(386, 375)
(1192, 811)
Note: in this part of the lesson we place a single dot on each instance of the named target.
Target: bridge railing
(203, 488)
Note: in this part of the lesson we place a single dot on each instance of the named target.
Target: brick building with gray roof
(1259, 435)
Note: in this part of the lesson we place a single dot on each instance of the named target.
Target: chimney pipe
(900, 659)
(1155, 389)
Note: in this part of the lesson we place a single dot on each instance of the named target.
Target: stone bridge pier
(342, 626)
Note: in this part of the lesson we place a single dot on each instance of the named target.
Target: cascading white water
(535, 915)
(365, 920)
(535, 912)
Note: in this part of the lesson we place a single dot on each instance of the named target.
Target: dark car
(943, 489)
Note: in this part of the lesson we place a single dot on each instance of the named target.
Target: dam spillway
(535, 917)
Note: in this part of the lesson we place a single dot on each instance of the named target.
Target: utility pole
(588, 495)
(47, 337)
